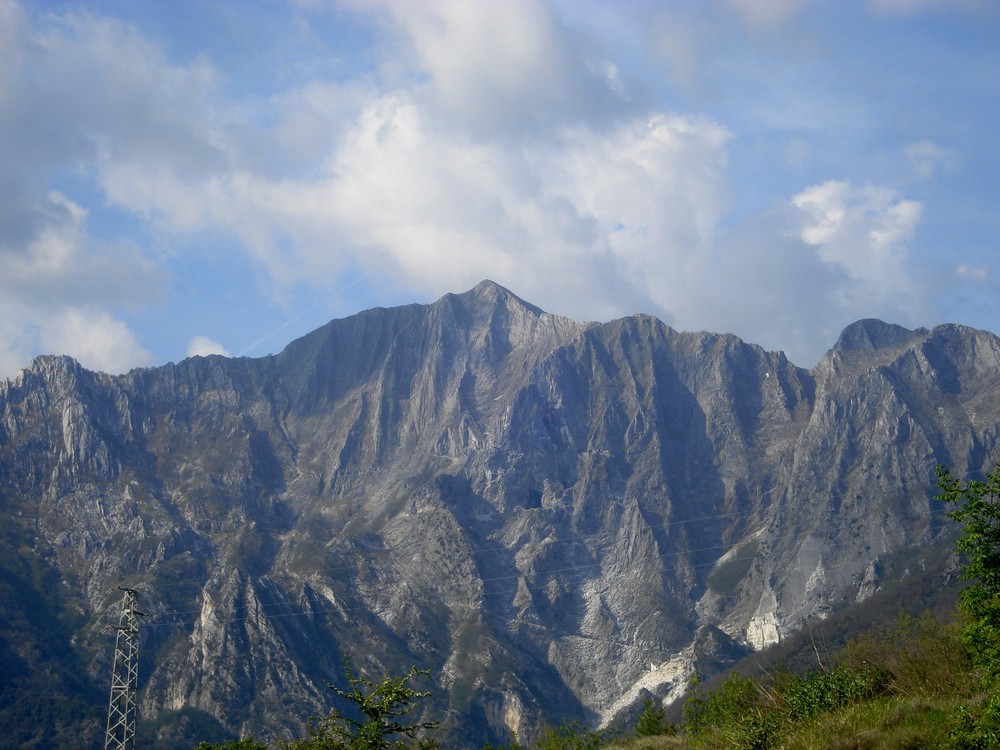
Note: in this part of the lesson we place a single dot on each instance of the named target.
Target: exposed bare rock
(555, 518)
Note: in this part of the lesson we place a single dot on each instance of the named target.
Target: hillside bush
(244, 744)
(827, 691)
(752, 714)
(652, 722)
(976, 727)
(568, 736)
(739, 714)
(977, 510)
(921, 656)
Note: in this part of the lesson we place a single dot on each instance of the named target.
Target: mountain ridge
(536, 509)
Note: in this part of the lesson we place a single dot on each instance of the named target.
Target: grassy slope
(908, 684)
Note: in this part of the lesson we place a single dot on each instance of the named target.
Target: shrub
(737, 710)
(568, 736)
(977, 509)
(827, 691)
(922, 655)
(652, 721)
(976, 728)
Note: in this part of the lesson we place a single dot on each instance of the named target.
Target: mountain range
(556, 518)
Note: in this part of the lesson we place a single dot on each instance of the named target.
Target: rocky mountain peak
(871, 339)
(871, 334)
(548, 515)
(49, 368)
(488, 293)
(495, 316)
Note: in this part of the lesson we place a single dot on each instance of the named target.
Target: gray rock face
(552, 517)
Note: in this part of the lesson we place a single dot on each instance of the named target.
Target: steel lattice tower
(124, 679)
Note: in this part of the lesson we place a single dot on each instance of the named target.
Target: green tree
(244, 744)
(381, 705)
(569, 736)
(723, 709)
(977, 509)
(653, 721)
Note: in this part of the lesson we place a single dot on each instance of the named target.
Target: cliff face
(550, 516)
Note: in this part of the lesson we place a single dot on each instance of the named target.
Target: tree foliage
(652, 721)
(568, 736)
(977, 508)
(381, 706)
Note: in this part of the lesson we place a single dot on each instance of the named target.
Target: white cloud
(202, 346)
(87, 332)
(926, 158)
(62, 264)
(56, 287)
(70, 93)
(617, 209)
(794, 278)
(862, 236)
(863, 230)
(502, 68)
(505, 153)
(972, 273)
(92, 337)
(680, 39)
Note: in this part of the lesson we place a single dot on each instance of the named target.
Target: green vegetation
(911, 684)
(245, 744)
(380, 706)
(978, 511)
(569, 736)
(652, 721)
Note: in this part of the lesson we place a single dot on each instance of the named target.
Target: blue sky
(185, 177)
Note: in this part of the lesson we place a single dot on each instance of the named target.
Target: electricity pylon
(124, 678)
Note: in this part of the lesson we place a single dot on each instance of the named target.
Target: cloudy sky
(184, 177)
